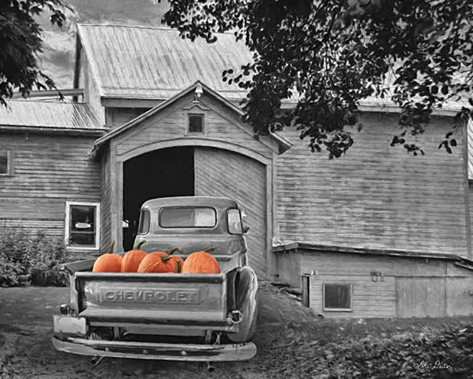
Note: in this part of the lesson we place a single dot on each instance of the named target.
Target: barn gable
(172, 118)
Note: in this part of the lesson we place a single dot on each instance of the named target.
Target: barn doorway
(161, 173)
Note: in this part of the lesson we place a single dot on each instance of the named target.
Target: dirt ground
(26, 351)
(292, 343)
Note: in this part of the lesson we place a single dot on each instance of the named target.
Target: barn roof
(137, 62)
(48, 115)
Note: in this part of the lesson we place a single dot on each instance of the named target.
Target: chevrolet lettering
(150, 296)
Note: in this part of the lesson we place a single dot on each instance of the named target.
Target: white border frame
(337, 309)
(97, 223)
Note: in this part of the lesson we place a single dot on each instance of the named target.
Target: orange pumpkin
(201, 262)
(108, 262)
(133, 258)
(161, 262)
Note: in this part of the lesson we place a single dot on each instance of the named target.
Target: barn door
(224, 173)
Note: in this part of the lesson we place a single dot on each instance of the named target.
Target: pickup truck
(176, 316)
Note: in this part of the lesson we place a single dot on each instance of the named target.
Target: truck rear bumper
(157, 351)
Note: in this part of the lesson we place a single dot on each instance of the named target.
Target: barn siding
(227, 174)
(420, 297)
(401, 287)
(116, 117)
(48, 171)
(91, 89)
(105, 207)
(289, 268)
(376, 196)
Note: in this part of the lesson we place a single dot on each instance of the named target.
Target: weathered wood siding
(376, 196)
(289, 268)
(105, 206)
(116, 117)
(387, 286)
(224, 173)
(48, 171)
(88, 82)
(420, 297)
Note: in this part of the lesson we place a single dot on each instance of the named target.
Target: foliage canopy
(20, 43)
(328, 55)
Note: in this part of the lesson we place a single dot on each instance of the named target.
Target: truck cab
(194, 224)
(172, 316)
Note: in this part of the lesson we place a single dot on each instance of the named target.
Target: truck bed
(151, 298)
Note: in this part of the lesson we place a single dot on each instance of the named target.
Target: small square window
(196, 123)
(5, 162)
(82, 225)
(337, 297)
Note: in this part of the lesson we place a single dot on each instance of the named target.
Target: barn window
(337, 297)
(5, 162)
(196, 123)
(82, 225)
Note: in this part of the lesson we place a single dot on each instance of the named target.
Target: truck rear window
(187, 217)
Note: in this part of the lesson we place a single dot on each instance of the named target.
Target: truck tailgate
(162, 298)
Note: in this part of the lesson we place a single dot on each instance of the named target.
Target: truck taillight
(64, 309)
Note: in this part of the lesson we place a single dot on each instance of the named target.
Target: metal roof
(327, 249)
(140, 62)
(137, 62)
(47, 114)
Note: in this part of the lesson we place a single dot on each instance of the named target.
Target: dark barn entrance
(161, 173)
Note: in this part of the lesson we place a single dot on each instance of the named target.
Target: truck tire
(246, 287)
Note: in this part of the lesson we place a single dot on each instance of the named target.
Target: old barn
(376, 233)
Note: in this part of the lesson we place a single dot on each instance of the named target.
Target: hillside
(59, 44)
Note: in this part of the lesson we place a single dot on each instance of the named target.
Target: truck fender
(246, 288)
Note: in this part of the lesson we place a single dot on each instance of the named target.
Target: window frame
(141, 220)
(350, 309)
(241, 222)
(193, 133)
(97, 225)
(9, 163)
(188, 227)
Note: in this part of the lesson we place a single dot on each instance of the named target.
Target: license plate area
(70, 325)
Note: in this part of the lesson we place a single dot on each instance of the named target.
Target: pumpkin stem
(110, 251)
(178, 265)
(209, 250)
(171, 251)
(138, 247)
(166, 258)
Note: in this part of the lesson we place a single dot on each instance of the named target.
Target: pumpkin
(201, 262)
(133, 258)
(161, 262)
(108, 262)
